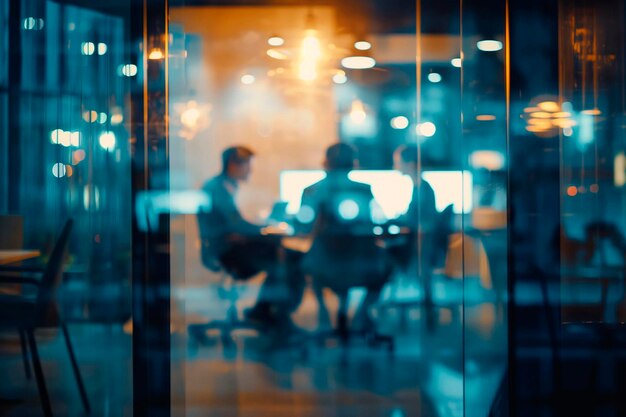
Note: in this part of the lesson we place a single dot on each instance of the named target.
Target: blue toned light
(348, 209)
(151, 204)
(434, 77)
(305, 215)
(102, 48)
(394, 229)
(59, 170)
(87, 48)
(30, 23)
(127, 70)
(489, 45)
(585, 130)
(378, 230)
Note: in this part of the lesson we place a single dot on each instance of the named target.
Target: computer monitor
(392, 190)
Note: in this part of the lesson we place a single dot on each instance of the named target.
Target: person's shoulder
(426, 185)
(313, 188)
(360, 187)
(213, 182)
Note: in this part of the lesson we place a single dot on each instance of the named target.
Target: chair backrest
(11, 232)
(209, 247)
(53, 272)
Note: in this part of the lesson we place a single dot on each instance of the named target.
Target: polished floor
(440, 371)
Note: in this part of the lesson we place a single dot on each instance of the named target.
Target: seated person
(231, 242)
(428, 236)
(344, 253)
(421, 216)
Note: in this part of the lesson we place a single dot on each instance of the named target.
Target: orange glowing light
(572, 190)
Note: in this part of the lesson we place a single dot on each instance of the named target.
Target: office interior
(114, 119)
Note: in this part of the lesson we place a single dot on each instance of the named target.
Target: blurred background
(116, 115)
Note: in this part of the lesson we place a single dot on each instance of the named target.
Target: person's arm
(307, 213)
(234, 222)
(428, 214)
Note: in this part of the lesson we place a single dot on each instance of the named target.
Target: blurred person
(231, 242)
(344, 253)
(427, 234)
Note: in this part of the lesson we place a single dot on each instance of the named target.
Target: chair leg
(79, 379)
(342, 318)
(25, 354)
(41, 383)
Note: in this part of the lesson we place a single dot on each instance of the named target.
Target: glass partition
(484, 240)
(65, 86)
(338, 230)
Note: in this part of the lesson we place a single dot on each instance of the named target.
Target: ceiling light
(489, 45)
(276, 54)
(434, 77)
(358, 62)
(248, 79)
(276, 41)
(340, 78)
(399, 122)
(362, 45)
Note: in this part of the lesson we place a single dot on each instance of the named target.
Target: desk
(11, 256)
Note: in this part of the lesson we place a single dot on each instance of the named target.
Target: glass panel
(483, 244)
(259, 246)
(66, 155)
(592, 241)
(568, 226)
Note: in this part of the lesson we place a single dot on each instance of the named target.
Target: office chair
(415, 265)
(342, 275)
(27, 314)
(228, 290)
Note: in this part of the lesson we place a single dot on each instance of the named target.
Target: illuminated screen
(392, 190)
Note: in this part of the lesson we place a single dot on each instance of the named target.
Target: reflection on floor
(103, 352)
(427, 374)
(424, 376)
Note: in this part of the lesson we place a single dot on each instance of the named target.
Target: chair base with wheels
(225, 327)
(343, 334)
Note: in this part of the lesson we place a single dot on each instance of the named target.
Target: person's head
(236, 162)
(341, 157)
(405, 160)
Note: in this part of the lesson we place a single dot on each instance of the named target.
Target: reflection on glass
(341, 204)
(66, 161)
